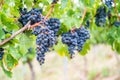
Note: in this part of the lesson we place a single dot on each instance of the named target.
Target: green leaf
(28, 3)
(8, 22)
(14, 52)
(61, 48)
(14, 11)
(116, 46)
(64, 3)
(85, 49)
(7, 35)
(90, 3)
(70, 12)
(2, 34)
(50, 1)
(10, 61)
(63, 29)
(25, 43)
(8, 73)
(29, 55)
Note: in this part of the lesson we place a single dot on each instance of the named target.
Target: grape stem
(28, 26)
(116, 11)
(83, 16)
(50, 11)
(1, 3)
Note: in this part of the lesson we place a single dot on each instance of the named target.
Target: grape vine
(60, 32)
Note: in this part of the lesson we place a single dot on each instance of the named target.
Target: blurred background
(101, 63)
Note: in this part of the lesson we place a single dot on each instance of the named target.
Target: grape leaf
(85, 49)
(2, 34)
(61, 48)
(8, 73)
(10, 61)
(64, 3)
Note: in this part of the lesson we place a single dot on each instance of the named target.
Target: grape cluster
(46, 32)
(36, 30)
(70, 38)
(109, 3)
(116, 24)
(23, 11)
(54, 1)
(1, 53)
(52, 24)
(75, 39)
(34, 15)
(45, 39)
(100, 17)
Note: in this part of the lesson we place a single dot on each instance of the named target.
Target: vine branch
(32, 70)
(27, 26)
(15, 34)
(50, 11)
(1, 3)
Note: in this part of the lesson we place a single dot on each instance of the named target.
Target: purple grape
(75, 40)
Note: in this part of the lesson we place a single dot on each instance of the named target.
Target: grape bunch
(46, 32)
(75, 39)
(109, 3)
(100, 17)
(53, 24)
(83, 34)
(70, 39)
(1, 53)
(45, 39)
(34, 15)
(116, 23)
(36, 30)
(23, 11)
(54, 1)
